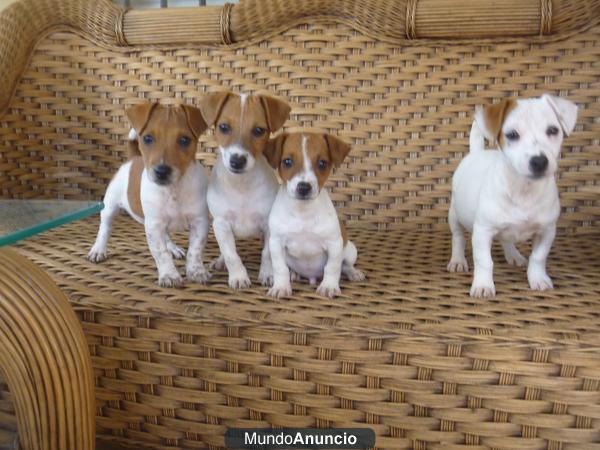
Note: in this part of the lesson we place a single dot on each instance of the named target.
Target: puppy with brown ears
(162, 187)
(305, 233)
(242, 186)
(510, 194)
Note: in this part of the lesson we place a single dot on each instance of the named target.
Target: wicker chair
(407, 352)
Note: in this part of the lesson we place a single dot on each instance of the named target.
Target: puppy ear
(195, 120)
(277, 111)
(338, 149)
(565, 110)
(274, 149)
(490, 118)
(212, 104)
(139, 115)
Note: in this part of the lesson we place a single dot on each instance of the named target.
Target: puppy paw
(294, 276)
(354, 274)
(217, 264)
(329, 289)
(197, 275)
(540, 282)
(170, 280)
(516, 259)
(265, 279)
(458, 265)
(483, 290)
(176, 252)
(279, 291)
(239, 280)
(96, 254)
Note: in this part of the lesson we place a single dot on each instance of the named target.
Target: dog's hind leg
(512, 255)
(348, 269)
(458, 262)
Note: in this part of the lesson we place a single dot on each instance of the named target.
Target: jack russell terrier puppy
(510, 194)
(305, 233)
(242, 186)
(162, 187)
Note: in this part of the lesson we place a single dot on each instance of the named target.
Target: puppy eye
(322, 164)
(148, 139)
(258, 131)
(184, 141)
(552, 130)
(512, 135)
(287, 162)
(224, 128)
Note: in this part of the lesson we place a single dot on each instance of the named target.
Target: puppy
(162, 187)
(510, 194)
(305, 234)
(242, 186)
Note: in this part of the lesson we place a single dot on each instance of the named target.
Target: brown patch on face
(494, 116)
(324, 151)
(135, 185)
(247, 123)
(168, 135)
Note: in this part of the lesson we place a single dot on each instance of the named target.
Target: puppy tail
(476, 139)
(133, 148)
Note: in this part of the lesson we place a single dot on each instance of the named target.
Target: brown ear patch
(274, 149)
(212, 104)
(134, 187)
(494, 116)
(338, 149)
(139, 115)
(276, 111)
(195, 120)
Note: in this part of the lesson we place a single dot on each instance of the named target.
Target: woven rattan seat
(406, 352)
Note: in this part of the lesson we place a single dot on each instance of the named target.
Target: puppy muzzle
(538, 166)
(238, 163)
(162, 174)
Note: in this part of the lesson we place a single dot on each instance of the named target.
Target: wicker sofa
(407, 352)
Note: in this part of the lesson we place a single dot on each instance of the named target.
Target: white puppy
(243, 186)
(510, 194)
(163, 187)
(306, 234)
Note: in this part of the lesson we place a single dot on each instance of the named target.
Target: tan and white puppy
(510, 194)
(162, 187)
(242, 186)
(305, 233)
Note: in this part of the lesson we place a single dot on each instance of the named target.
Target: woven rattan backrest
(405, 104)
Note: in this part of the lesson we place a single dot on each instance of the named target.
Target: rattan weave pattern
(407, 110)
(406, 352)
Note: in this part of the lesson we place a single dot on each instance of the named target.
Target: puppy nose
(538, 164)
(162, 172)
(303, 189)
(238, 162)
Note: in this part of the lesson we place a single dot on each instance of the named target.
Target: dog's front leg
(483, 278)
(536, 271)
(156, 235)
(330, 286)
(265, 274)
(238, 276)
(282, 286)
(194, 265)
